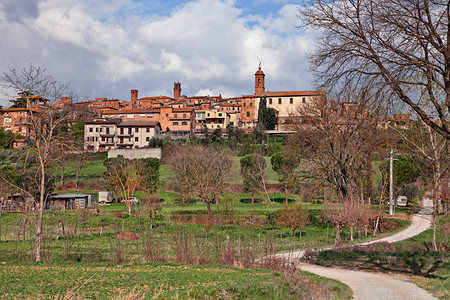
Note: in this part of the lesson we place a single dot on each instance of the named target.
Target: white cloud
(105, 50)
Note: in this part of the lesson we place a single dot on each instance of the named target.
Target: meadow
(87, 251)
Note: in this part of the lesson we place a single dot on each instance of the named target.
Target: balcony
(124, 134)
(106, 134)
(106, 143)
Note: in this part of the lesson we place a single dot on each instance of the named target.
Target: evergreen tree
(267, 117)
(21, 101)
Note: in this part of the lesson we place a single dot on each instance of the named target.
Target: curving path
(377, 286)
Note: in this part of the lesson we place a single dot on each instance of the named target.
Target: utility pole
(391, 183)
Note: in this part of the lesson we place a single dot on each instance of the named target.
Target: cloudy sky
(105, 48)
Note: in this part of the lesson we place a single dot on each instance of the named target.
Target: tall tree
(150, 170)
(128, 176)
(396, 45)
(337, 148)
(267, 117)
(200, 172)
(285, 165)
(21, 100)
(253, 172)
(433, 152)
(43, 125)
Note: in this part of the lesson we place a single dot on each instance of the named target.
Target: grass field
(158, 281)
(237, 234)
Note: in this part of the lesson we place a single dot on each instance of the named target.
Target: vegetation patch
(160, 281)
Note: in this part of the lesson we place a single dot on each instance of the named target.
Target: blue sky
(105, 48)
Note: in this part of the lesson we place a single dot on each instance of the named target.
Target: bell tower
(176, 90)
(259, 81)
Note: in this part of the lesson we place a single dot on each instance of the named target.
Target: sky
(105, 48)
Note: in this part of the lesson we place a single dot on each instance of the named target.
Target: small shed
(72, 201)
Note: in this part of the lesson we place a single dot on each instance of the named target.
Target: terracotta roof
(103, 121)
(154, 98)
(15, 109)
(287, 93)
(187, 109)
(133, 111)
(259, 71)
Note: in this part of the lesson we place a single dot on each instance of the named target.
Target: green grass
(93, 170)
(155, 280)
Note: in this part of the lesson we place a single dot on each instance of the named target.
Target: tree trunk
(208, 205)
(286, 194)
(338, 237)
(253, 198)
(38, 241)
(80, 163)
(62, 174)
(351, 233)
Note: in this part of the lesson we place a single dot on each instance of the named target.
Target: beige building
(292, 106)
(216, 119)
(102, 134)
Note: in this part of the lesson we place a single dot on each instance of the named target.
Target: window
(147, 129)
(167, 115)
(101, 129)
(121, 130)
(8, 120)
(136, 129)
(279, 100)
(184, 123)
(141, 116)
(218, 126)
(244, 104)
(291, 100)
(147, 139)
(175, 123)
(91, 129)
(248, 114)
(130, 116)
(208, 114)
(96, 129)
(251, 104)
(175, 115)
(270, 100)
(303, 100)
(107, 130)
(121, 116)
(129, 130)
(149, 116)
(96, 138)
(184, 115)
(220, 114)
(136, 139)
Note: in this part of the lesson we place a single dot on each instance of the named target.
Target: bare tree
(348, 213)
(433, 150)
(338, 147)
(292, 216)
(201, 172)
(395, 45)
(127, 176)
(253, 172)
(44, 126)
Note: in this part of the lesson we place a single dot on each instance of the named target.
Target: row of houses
(114, 123)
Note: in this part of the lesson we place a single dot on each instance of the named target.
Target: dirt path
(377, 286)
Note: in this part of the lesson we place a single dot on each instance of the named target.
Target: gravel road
(377, 286)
